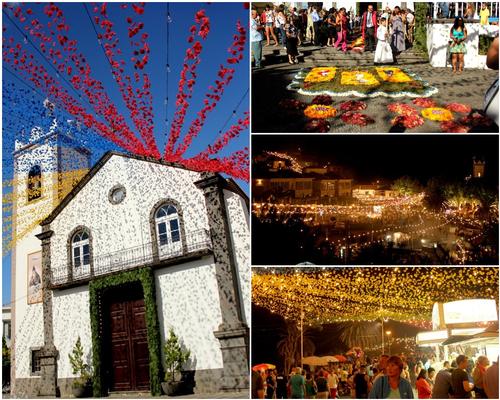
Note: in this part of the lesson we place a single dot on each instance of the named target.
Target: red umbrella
(260, 367)
(341, 358)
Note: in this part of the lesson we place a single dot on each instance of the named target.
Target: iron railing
(129, 258)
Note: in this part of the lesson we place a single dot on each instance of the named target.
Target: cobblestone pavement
(269, 88)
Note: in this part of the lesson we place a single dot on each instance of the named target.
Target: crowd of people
(384, 377)
(279, 26)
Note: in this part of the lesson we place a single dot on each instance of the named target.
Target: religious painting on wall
(35, 277)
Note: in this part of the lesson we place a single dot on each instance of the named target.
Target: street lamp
(389, 333)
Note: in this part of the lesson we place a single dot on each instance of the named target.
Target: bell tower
(46, 167)
(478, 167)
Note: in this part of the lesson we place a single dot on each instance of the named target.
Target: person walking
(442, 382)
(322, 386)
(256, 39)
(398, 33)
(291, 43)
(369, 28)
(482, 363)
(316, 20)
(460, 383)
(311, 388)
(297, 385)
(269, 21)
(383, 52)
(332, 27)
(281, 386)
(458, 35)
(423, 387)
(342, 33)
(484, 14)
(490, 381)
(391, 385)
(361, 383)
(280, 22)
(410, 26)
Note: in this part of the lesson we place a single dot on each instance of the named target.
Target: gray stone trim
(152, 226)
(212, 186)
(31, 362)
(233, 332)
(70, 253)
(49, 354)
(110, 193)
(25, 387)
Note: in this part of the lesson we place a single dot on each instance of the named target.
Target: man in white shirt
(369, 28)
(316, 19)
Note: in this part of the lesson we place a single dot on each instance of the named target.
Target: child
(291, 43)
(383, 52)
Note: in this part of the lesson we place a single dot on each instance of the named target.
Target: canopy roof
(406, 294)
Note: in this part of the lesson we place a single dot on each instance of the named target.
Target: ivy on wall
(420, 39)
(145, 277)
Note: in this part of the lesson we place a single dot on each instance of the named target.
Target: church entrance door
(127, 340)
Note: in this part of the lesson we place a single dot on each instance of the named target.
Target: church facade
(138, 247)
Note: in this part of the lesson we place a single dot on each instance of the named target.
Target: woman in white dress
(383, 52)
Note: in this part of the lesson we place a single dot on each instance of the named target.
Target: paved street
(269, 88)
(142, 395)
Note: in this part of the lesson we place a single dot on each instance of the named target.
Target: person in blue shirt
(391, 385)
(316, 19)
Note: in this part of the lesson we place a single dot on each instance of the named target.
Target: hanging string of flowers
(139, 100)
(225, 75)
(191, 61)
(223, 140)
(62, 58)
(39, 76)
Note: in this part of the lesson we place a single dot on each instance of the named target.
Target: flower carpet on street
(319, 114)
(360, 82)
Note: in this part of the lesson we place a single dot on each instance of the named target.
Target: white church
(134, 248)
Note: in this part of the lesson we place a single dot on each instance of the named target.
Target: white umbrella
(313, 360)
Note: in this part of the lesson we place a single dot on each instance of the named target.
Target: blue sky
(223, 17)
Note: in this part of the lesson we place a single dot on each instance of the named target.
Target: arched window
(167, 225)
(80, 251)
(34, 183)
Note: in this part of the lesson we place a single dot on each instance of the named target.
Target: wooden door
(129, 345)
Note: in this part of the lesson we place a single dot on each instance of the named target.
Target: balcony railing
(129, 258)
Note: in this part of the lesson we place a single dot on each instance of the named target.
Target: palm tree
(289, 345)
(359, 333)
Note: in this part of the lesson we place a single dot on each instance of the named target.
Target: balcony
(197, 243)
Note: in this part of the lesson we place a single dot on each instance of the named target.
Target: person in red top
(423, 387)
(369, 28)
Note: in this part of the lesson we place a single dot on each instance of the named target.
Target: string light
(405, 294)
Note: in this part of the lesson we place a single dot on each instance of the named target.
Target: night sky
(392, 156)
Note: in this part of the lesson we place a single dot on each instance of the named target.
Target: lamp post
(382, 335)
(302, 339)
(388, 333)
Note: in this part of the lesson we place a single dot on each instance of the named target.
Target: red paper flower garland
(191, 61)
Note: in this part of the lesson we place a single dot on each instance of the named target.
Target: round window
(117, 194)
